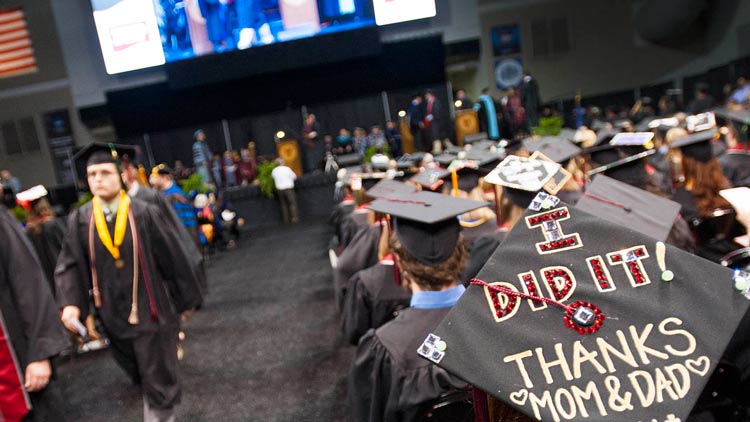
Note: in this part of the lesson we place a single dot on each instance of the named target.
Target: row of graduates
(402, 256)
(124, 259)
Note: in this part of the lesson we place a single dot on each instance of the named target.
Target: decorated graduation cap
(521, 178)
(426, 223)
(633, 142)
(29, 197)
(387, 187)
(702, 121)
(630, 170)
(576, 317)
(430, 178)
(557, 149)
(629, 206)
(697, 145)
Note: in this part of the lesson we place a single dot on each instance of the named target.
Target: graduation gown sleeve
(27, 303)
(172, 262)
(355, 318)
(72, 272)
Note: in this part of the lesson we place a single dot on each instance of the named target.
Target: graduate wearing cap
(44, 230)
(118, 257)
(30, 332)
(388, 381)
(578, 318)
(699, 195)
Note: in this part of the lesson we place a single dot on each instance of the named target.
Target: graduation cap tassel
(583, 317)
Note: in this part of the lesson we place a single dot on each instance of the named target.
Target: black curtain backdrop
(158, 107)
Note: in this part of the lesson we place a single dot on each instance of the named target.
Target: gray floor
(263, 348)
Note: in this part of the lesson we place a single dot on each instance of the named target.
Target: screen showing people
(136, 34)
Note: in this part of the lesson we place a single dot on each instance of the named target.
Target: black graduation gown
(488, 228)
(188, 241)
(28, 313)
(167, 285)
(372, 299)
(47, 239)
(736, 167)
(361, 253)
(713, 249)
(388, 381)
(481, 251)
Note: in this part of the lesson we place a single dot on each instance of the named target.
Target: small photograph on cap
(700, 122)
(558, 181)
(522, 173)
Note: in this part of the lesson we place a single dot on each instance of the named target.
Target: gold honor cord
(121, 222)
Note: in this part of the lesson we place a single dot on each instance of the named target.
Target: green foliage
(370, 151)
(194, 183)
(548, 126)
(267, 186)
(19, 213)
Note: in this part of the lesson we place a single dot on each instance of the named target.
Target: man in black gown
(119, 256)
(388, 380)
(30, 331)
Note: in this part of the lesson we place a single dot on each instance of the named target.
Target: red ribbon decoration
(569, 309)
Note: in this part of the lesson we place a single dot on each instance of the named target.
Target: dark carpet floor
(264, 347)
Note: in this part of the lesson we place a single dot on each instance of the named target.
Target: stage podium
(407, 140)
(467, 123)
(288, 149)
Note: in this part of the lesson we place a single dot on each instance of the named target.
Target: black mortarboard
(645, 124)
(557, 149)
(482, 157)
(521, 178)
(386, 187)
(602, 336)
(99, 153)
(603, 154)
(630, 170)
(430, 178)
(629, 206)
(445, 159)
(425, 222)
(697, 145)
(739, 116)
(605, 135)
(567, 134)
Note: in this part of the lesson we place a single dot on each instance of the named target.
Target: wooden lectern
(407, 140)
(288, 149)
(467, 123)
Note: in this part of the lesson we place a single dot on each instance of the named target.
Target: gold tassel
(133, 318)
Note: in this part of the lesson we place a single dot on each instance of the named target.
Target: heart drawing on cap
(698, 366)
(520, 396)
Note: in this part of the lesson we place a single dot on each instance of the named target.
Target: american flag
(16, 53)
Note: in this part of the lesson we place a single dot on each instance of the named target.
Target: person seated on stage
(389, 381)
(360, 141)
(393, 136)
(376, 138)
(344, 142)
